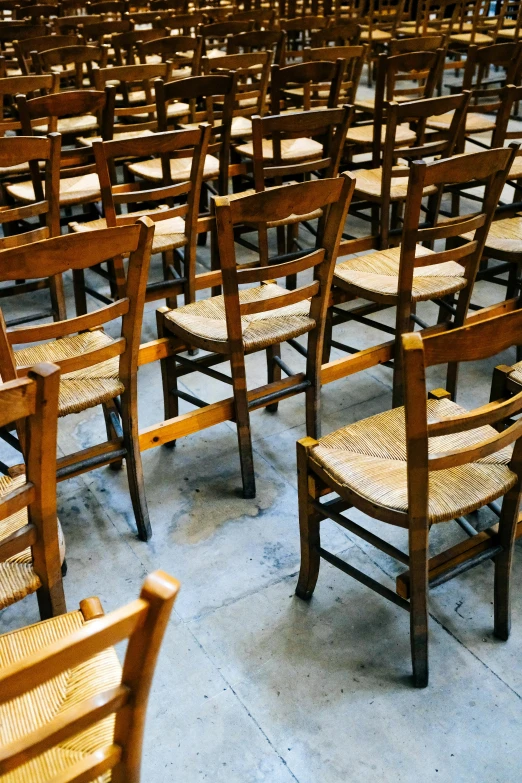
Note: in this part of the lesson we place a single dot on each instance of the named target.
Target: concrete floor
(253, 684)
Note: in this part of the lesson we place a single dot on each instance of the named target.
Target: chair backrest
(332, 196)
(78, 55)
(74, 23)
(328, 126)
(211, 99)
(259, 41)
(313, 77)
(125, 44)
(298, 32)
(477, 341)
(346, 34)
(384, 15)
(36, 13)
(185, 24)
(50, 108)
(252, 77)
(215, 35)
(24, 48)
(32, 404)
(353, 57)
(409, 76)
(102, 32)
(425, 43)
(143, 623)
(182, 51)
(262, 18)
(479, 61)
(15, 150)
(488, 168)
(77, 252)
(31, 85)
(436, 16)
(131, 78)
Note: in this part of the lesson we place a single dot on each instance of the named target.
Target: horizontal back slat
(16, 500)
(80, 323)
(491, 413)
(87, 359)
(453, 227)
(258, 274)
(500, 440)
(17, 400)
(283, 300)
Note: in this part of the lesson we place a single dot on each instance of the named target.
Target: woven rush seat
(408, 28)
(168, 234)
(179, 169)
(377, 35)
(503, 235)
(509, 34)
(68, 125)
(73, 190)
(379, 272)
(35, 709)
(475, 122)
(364, 135)
(17, 575)
(86, 141)
(516, 374)
(291, 149)
(515, 172)
(369, 458)
(480, 39)
(241, 127)
(369, 183)
(206, 319)
(83, 388)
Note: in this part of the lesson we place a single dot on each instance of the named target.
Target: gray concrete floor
(252, 683)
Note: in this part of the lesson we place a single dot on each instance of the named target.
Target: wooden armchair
(90, 717)
(427, 463)
(176, 224)
(96, 369)
(32, 154)
(31, 544)
(68, 113)
(261, 317)
(403, 276)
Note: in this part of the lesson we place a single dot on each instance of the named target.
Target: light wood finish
(262, 317)
(313, 78)
(87, 719)
(96, 369)
(426, 463)
(16, 152)
(176, 224)
(413, 273)
(30, 558)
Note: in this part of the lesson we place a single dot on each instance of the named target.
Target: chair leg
(418, 536)
(108, 409)
(327, 339)
(57, 298)
(51, 601)
(169, 377)
(244, 436)
(273, 371)
(129, 418)
(503, 562)
(80, 295)
(309, 523)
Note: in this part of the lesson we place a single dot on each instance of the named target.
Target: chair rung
(260, 402)
(189, 398)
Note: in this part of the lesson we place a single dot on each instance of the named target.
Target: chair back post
(416, 418)
(160, 592)
(40, 455)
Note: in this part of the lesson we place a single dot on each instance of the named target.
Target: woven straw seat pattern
(503, 235)
(480, 39)
(516, 375)
(291, 149)
(179, 169)
(515, 172)
(369, 458)
(73, 190)
(17, 575)
(377, 35)
(206, 319)
(475, 122)
(368, 182)
(80, 389)
(364, 135)
(168, 234)
(379, 272)
(39, 706)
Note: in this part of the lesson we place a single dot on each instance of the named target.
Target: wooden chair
(81, 56)
(298, 34)
(433, 17)
(31, 154)
(262, 317)
(428, 43)
(473, 16)
(125, 44)
(96, 369)
(184, 24)
(102, 32)
(182, 52)
(215, 35)
(380, 188)
(31, 544)
(73, 24)
(207, 92)
(8, 36)
(176, 225)
(68, 113)
(259, 41)
(90, 717)
(252, 76)
(313, 78)
(403, 276)
(429, 462)
(38, 14)
(353, 57)
(512, 21)
(383, 19)
(26, 46)
(346, 34)
(10, 87)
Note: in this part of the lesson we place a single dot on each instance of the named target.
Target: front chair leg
(309, 523)
(108, 408)
(244, 435)
(273, 371)
(169, 377)
(129, 417)
(503, 562)
(418, 536)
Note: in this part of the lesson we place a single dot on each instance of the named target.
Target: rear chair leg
(129, 417)
(273, 371)
(309, 523)
(418, 551)
(108, 408)
(244, 435)
(503, 562)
